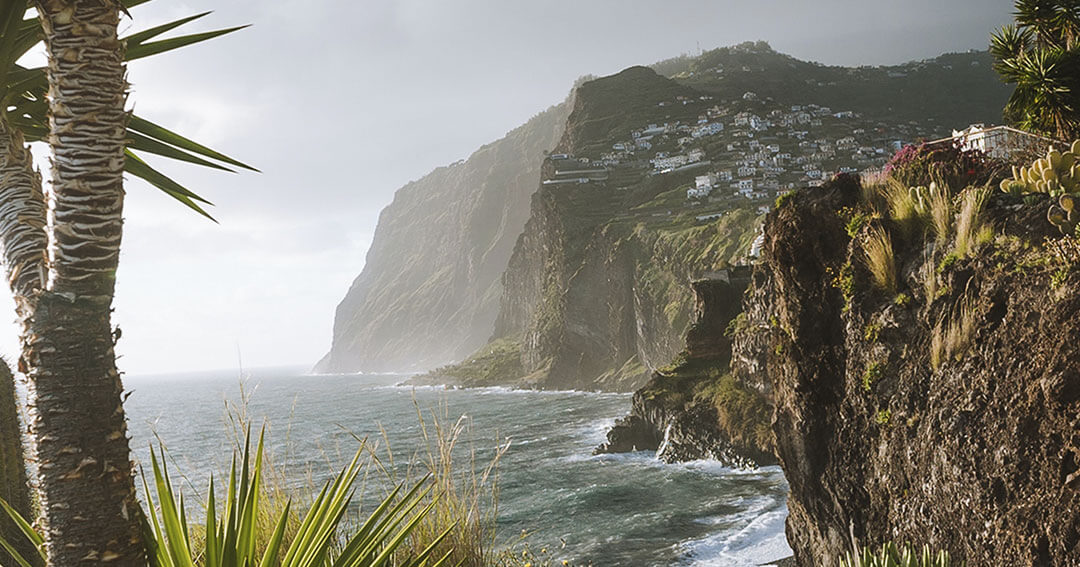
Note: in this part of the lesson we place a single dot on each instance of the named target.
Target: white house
(706, 181)
(660, 164)
(698, 192)
(747, 171)
(708, 129)
(847, 143)
(998, 141)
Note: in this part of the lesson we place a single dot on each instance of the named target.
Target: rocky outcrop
(685, 411)
(430, 288)
(946, 412)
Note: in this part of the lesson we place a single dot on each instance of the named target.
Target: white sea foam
(759, 542)
(487, 390)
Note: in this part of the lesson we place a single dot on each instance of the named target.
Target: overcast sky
(339, 103)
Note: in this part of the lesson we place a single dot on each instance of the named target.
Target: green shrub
(784, 198)
(855, 220)
(736, 325)
(871, 374)
(872, 332)
(745, 416)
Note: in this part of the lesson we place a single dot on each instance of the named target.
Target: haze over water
(622, 510)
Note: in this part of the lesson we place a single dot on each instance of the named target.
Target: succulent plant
(1065, 214)
(1057, 173)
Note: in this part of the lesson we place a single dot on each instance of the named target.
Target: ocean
(610, 511)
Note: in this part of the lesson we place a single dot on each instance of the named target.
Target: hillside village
(749, 152)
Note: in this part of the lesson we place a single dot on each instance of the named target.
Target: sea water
(610, 510)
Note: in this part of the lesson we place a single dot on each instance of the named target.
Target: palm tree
(1040, 54)
(61, 264)
(88, 491)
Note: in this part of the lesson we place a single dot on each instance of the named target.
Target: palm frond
(23, 98)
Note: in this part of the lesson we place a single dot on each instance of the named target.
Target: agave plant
(232, 537)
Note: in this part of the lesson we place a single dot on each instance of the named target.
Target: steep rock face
(429, 292)
(890, 428)
(688, 411)
(597, 296)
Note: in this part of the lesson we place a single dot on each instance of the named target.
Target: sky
(339, 103)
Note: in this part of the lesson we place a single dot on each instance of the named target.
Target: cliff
(695, 408)
(429, 291)
(939, 407)
(592, 292)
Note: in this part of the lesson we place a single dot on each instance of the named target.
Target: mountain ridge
(402, 315)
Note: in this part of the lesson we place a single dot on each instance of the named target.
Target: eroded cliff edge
(704, 405)
(945, 411)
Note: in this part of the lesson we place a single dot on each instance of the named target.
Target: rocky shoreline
(680, 414)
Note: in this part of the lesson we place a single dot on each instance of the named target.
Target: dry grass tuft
(928, 275)
(466, 491)
(903, 209)
(941, 215)
(873, 191)
(880, 259)
(952, 335)
(970, 227)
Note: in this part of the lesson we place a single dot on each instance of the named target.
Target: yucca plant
(1040, 54)
(891, 556)
(232, 537)
(61, 248)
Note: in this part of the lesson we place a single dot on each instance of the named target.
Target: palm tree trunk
(86, 481)
(22, 218)
(23, 241)
(13, 485)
